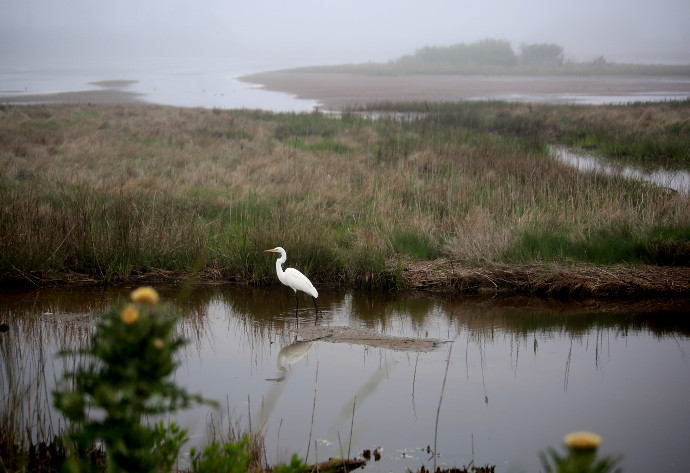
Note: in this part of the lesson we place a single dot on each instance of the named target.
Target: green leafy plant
(125, 378)
(295, 466)
(231, 457)
(168, 442)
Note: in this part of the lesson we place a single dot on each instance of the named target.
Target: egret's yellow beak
(273, 250)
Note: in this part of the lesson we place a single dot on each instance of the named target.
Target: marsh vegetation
(107, 193)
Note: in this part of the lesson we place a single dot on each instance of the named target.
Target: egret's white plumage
(293, 278)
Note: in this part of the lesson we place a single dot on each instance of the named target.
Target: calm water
(185, 83)
(521, 372)
(209, 83)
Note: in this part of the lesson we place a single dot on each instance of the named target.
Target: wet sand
(338, 91)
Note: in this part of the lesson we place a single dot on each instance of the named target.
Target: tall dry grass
(112, 191)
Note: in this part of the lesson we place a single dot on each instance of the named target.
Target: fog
(274, 34)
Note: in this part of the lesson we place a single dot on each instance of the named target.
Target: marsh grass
(114, 192)
(651, 133)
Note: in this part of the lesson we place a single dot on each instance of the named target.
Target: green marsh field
(456, 196)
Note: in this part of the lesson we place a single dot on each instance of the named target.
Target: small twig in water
(340, 444)
(440, 400)
(313, 409)
(352, 423)
(249, 410)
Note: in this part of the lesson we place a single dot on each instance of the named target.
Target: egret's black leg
(296, 308)
(315, 307)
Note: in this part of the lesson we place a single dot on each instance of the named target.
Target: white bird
(293, 278)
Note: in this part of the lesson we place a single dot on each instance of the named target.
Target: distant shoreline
(338, 90)
(111, 92)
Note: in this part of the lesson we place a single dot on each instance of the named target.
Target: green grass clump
(602, 246)
(413, 244)
(304, 125)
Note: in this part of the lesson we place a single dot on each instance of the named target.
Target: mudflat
(110, 92)
(338, 91)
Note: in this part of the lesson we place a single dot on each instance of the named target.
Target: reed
(108, 193)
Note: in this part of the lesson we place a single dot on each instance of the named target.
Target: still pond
(512, 375)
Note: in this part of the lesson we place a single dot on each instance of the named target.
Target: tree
(542, 54)
(494, 52)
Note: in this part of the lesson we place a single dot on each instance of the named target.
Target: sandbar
(338, 91)
(368, 337)
(109, 92)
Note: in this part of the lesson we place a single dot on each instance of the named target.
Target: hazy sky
(300, 32)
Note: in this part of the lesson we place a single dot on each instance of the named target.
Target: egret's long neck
(279, 263)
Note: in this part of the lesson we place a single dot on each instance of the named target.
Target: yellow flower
(158, 343)
(130, 314)
(145, 295)
(582, 440)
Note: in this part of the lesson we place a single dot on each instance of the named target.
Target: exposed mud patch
(362, 336)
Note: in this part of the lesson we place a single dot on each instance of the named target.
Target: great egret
(293, 278)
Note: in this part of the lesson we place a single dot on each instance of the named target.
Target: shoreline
(443, 277)
(110, 92)
(338, 91)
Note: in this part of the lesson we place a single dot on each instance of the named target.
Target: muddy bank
(550, 279)
(337, 91)
(441, 276)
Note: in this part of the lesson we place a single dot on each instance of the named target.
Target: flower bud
(582, 441)
(145, 295)
(130, 314)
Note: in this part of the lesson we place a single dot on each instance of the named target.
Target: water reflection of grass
(111, 193)
(27, 370)
(481, 319)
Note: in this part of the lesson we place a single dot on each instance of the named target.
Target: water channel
(677, 180)
(521, 372)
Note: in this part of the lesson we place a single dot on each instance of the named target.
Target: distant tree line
(496, 56)
(488, 52)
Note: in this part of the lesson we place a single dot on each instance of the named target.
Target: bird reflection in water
(289, 355)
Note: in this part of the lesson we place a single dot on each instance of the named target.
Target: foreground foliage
(125, 381)
(113, 192)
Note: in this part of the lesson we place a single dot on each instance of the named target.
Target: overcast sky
(301, 32)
